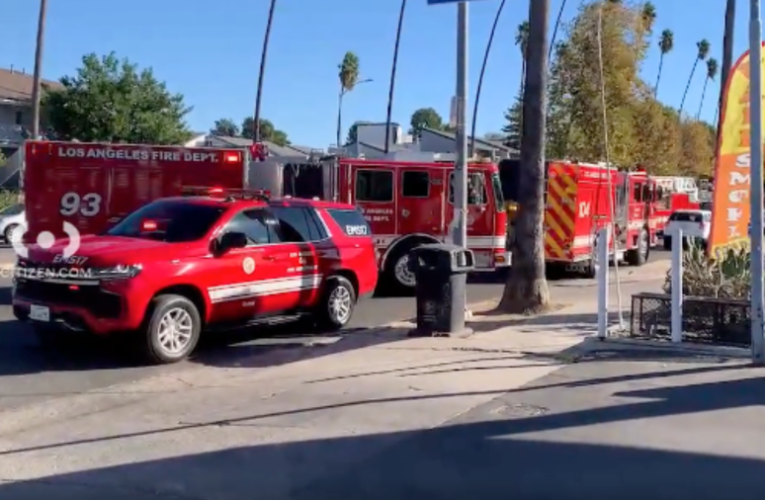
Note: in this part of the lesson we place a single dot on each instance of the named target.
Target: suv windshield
(174, 221)
(12, 209)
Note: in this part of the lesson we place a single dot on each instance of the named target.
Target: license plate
(39, 313)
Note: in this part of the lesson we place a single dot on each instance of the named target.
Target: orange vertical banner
(732, 182)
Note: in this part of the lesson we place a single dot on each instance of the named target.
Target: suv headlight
(120, 271)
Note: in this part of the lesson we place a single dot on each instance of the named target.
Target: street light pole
(460, 166)
(261, 73)
(344, 91)
(756, 179)
(392, 87)
(37, 77)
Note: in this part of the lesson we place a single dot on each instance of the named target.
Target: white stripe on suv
(260, 288)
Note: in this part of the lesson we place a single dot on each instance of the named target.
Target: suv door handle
(269, 257)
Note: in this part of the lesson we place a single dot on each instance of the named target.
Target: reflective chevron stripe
(240, 291)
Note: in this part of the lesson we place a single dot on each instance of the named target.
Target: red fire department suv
(180, 265)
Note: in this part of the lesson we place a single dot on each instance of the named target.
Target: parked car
(695, 225)
(12, 218)
(180, 266)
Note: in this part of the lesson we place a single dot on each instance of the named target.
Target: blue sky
(211, 52)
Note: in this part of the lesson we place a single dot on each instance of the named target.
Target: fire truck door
(374, 193)
(420, 201)
(478, 224)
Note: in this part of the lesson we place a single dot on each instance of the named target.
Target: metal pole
(755, 140)
(460, 166)
(392, 87)
(677, 286)
(261, 73)
(38, 70)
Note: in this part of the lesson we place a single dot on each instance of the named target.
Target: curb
(659, 345)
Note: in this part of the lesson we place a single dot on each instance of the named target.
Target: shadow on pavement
(495, 451)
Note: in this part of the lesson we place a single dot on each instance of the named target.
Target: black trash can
(441, 273)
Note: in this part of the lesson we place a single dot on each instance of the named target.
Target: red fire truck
(577, 205)
(671, 194)
(93, 186)
(407, 203)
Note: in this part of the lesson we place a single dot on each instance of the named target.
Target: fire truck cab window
(476, 189)
(637, 192)
(647, 193)
(415, 184)
(374, 185)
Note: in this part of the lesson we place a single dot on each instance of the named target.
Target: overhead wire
(606, 154)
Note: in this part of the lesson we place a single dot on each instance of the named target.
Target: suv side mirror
(231, 240)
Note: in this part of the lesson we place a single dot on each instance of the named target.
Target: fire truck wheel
(399, 272)
(171, 330)
(639, 255)
(337, 304)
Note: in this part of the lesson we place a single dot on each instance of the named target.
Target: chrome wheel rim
(644, 244)
(175, 331)
(340, 304)
(402, 272)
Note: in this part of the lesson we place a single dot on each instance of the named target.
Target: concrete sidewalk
(272, 424)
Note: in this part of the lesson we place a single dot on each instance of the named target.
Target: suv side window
(352, 222)
(297, 224)
(254, 224)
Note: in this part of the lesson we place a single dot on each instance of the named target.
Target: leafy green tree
(225, 127)
(110, 100)
(514, 124)
(267, 131)
(425, 118)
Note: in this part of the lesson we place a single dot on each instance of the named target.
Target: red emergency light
(149, 225)
(231, 158)
(228, 194)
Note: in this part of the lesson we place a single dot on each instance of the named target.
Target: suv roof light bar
(227, 193)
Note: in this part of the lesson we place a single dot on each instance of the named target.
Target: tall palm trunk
(658, 75)
(392, 87)
(703, 93)
(263, 57)
(480, 77)
(37, 77)
(688, 86)
(730, 26)
(526, 288)
(340, 115)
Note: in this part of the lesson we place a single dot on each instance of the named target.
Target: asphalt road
(29, 373)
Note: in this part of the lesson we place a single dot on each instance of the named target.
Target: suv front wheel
(338, 301)
(172, 328)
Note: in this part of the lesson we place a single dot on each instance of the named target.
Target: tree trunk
(483, 72)
(703, 93)
(340, 116)
(730, 26)
(687, 87)
(526, 288)
(261, 73)
(36, 78)
(658, 76)
(392, 87)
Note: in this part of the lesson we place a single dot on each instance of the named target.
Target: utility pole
(727, 62)
(392, 88)
(263, 57)
(756, 179)
(460, 166)
(38, 69)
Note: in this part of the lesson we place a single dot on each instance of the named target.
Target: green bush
(728, 278)
(8, 198)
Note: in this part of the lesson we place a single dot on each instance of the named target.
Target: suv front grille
(100, 303)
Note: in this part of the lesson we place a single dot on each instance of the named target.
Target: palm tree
(526, 287)
(37, 77)
(666, 44)
(263, 56)
(349, 78)
(649, 16)
(711, 75)
(522, 41)
(393, 75)
(558, 21)
(701, 54)
(483, 72)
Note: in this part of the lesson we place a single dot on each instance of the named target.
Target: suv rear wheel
(337, 304)
(172, 329)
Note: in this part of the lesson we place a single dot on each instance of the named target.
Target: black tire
(327, 315)
(636, 257)
(9, 231)
(389, 273)
(160, 308)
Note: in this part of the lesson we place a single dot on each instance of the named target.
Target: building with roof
(287, 151)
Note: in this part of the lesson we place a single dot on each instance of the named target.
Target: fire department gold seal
(248, 265)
